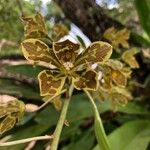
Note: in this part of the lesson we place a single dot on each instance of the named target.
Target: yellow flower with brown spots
(71, 67)
(11, 112)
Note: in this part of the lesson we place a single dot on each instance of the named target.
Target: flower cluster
(113, 83)
(71, 66)
(117, 38)
(66, 64)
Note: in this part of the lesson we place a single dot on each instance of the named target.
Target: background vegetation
(87, 21)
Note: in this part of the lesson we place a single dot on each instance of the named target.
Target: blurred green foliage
(127, 128)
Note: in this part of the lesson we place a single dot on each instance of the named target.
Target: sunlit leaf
(34, 26)
(97, 52)
(143, 10)
(59, 31)
(66, 52)
(117, 37)
(128, 57)
(37, 51)
(50, 83)
(132, 135)
(138, 134)
(86, 79)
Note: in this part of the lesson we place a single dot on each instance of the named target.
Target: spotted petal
(119, 78)
(66, 51)
(50, 83)
(86, 79)
(37, 51)
(7, 124)
(129, 58)
(59, 31)
(97, 52)
(13, 106)
(34, 26)
(114, 64)
(120, 95)
(117, 37)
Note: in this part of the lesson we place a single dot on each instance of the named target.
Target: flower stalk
(99, 129)
(59, 127)
(46, 137)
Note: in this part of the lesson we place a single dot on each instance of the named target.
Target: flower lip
(68, 65)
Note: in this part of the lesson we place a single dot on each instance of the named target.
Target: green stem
(46, 137)
(99, 129)
(61, 121)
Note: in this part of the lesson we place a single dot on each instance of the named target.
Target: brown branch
(4, 42)
(17, 77)
(4, 74)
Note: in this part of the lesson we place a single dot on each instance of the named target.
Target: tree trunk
(88, 16)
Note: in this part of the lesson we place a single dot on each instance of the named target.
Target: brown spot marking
(119, 78)
(66, 56)
(90, 79)
(48, 83)
(80, 84)
(29, 46)
(87, 80)
(39, 44)
(37, 58)
(66, 44)
(38, 52)
(7, 123)
(34, 26)
(96, 52)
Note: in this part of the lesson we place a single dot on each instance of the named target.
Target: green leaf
(84, 141)
(77, 112)
(98, 126)
(130, 136)
(100, 134)
(143, 9)
(138, 40)
(41, 117)
(27, 70)
(81, 41)
(20, 90)
(27, 132)
(133, 108)
(10, 52)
